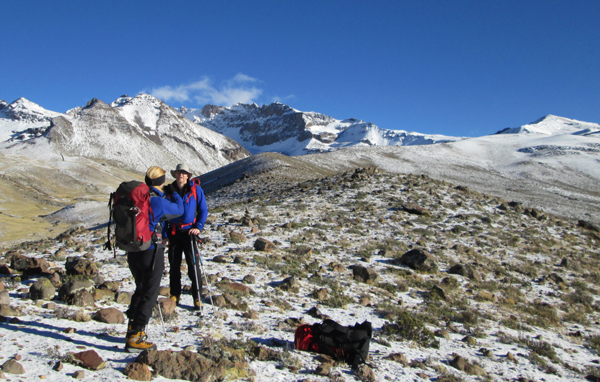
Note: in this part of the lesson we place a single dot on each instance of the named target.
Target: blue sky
(461, 68)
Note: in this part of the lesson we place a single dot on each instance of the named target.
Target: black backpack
(347, 343)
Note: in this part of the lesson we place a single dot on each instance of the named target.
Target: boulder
(265, 245)
(109, 316)
(290, 284)
(81, 266)
(138, 372)
(419, 260)
(89, 359)
(465, 271)
(363, 274)
(13, 367)
(42, 290)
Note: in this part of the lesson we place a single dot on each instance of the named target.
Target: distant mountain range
(138, 131)
(281, 128)
(73, 160)
(134, 132)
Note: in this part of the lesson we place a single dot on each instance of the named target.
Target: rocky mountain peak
(26, 111)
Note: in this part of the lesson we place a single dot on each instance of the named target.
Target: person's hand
(170, 189)
(194, 231)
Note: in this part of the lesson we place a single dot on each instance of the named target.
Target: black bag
(348, 343)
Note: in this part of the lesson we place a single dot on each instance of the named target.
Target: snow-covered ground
(348, 221)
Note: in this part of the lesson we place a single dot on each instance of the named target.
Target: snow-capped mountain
(136, 132)
(281, 128)
(554, 125)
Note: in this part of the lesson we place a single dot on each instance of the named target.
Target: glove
(170, 189)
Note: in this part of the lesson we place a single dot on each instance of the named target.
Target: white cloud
(232, 91)
(283, 99)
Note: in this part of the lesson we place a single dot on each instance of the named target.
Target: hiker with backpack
(147, 265)
(183, 230)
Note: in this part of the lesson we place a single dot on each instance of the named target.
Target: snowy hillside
(136, 132)
(554, 125)
(280, 128)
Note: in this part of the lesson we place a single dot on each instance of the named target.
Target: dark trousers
(147, 268)
(180, 244)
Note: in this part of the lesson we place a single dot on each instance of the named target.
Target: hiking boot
(197, 304)
(135, 342)
(176, 299)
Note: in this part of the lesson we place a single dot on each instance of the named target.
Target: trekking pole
(161, 320)
(204, 273)
(197, 269)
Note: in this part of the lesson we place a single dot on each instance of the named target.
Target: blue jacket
(163, 208)
(195, 210)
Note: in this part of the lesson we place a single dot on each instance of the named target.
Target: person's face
(181, 177)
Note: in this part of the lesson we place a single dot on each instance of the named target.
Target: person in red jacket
(182, 229)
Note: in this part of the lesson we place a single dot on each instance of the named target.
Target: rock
(109, 316)
(82, 298)
(167, 306)
(316, 313)
(222, 259)
(265, 354)
(8, 311)
(363, 274)
(80, 266)
(110, 285)
(237, 237)
(251, 314)
(249, 279)
(193, 366)
(419, 260)
(58, 366)
(365, 373)
(4, 297)
(13, 367)
(465, 271)
(29, 265)
(475, 370)
(470, 340)
(104, 295)
(123, 298)
(459, 363)
(290, 284)
(138, 372)
(323, 369)
(68, 290)
(265, 245)
(219, 301)
(234, 288)
(437, 293)
(442, 334)
(416, 210)
(79, 374)
(89, 359)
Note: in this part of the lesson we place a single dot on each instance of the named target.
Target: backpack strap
(193, 192)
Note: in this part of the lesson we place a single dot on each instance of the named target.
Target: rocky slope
(459, 286)
(134, 133)
(280, 128)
